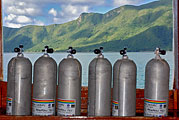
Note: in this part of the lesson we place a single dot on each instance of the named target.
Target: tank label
(44, 107)
(9, 106)
(155, 108)
(66, 107)
(115, 107)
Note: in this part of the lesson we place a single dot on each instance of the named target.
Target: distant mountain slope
(140, 28)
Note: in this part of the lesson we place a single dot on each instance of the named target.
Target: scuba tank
(99, 85)
(19, 83)
(124, 86)
(44, 84)
(156, 91)
(69, 86)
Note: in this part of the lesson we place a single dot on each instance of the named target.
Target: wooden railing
(84, 98)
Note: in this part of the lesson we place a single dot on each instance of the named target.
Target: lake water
(140, 58)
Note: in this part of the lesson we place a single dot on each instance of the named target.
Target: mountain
(139, 28)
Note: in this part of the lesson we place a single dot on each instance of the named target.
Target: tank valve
(71, 51)
(124, 53)
(47, 50)
(98, 51)
(19, 50)
(159, 52)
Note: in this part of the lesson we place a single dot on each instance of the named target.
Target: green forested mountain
(139, 28)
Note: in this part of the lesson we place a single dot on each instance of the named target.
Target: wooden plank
(1, 45)
(82, 117)
(176, 53)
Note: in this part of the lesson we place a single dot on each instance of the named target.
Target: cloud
(24, 12)
(10, 17)
(23, 19)
(69, 13)
(15, 21)
(129, 2)
(38, 22)
(13, 25)
(21, 8)
(52, 12)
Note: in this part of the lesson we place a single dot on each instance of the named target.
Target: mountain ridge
(125, 26)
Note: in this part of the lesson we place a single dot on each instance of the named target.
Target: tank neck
(70, 56)
(100, 56)
(46, 55)
(157, 56)
(124, 57)
(20, 54)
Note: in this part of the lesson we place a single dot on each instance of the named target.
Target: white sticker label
(44, 107)
(9, 106)
(155, 108)
(115, 107)
(66, 107)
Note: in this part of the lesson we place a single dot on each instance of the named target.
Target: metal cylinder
(44, 85)
(156, 86)
(99, 86)
(19, 83)
(69, 86)
(124, 87)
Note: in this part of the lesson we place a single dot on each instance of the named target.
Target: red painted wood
(84, 99)
(1, 46)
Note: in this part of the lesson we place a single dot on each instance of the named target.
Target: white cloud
(13, 25)
(130, 2)
(10, 17)
(38, 22)
(23, 19)
(20, 7)
(32, 9)
(52, 12)
(73, 10)
(22, 11)
(68, 13)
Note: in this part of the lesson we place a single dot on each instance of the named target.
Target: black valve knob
(97, 51)
(124, 51)
(48, 50)
(70, 47)
(19, 49)
(71, 50)
(16, 49)
(162, 52)
(21, 46)
(46, 47)
(101, 48)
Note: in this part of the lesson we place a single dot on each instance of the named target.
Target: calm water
(140, 58)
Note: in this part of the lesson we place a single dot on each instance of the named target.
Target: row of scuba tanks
(99, 86)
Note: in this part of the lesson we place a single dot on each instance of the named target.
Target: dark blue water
(140, 58)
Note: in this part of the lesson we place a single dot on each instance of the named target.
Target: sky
(18, 13)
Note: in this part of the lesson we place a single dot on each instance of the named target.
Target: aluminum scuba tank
(44, 85)
(69, 86)
(156, 86)
(99, 85)
(19, 84)
(124, 86)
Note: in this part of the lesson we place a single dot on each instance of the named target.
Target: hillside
(140, 28)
